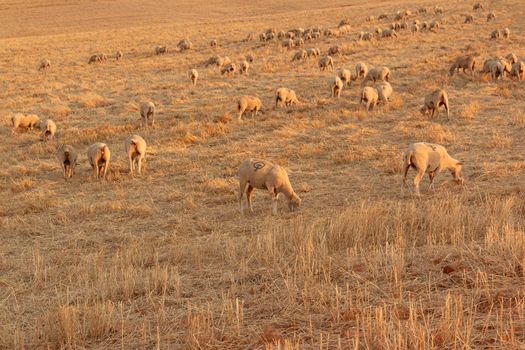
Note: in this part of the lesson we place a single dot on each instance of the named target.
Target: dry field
(165, 261)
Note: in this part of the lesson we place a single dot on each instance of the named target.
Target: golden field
(165, 260)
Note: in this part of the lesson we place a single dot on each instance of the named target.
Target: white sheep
(118, 55)
(265, 176)
(285, 96)
(361, 70)
(147, 111)
(193, 74)
(48, 128)
(244, 67)
(518, 70)
(28, 122)
(415, 28)
(433, 101)
(345, 75)
(369, 95)
(67, 158)
(325, 62)
(44, 64)
(336, 86)
(427, 157)
(159, 50)
(99, 156)
(289, 35)
(384, 91)
(135, 148)
(250, 104)
(377, 73)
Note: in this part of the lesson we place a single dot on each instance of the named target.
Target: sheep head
(455, 170)
(294, 202)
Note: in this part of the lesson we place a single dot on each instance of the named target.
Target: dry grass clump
(469, 111)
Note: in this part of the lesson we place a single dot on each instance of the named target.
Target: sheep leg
(139, 164)
(104, 170)
(242, 190)
(417, 180)
(95, 170)
(249, 193)
(65, 170)
(131, 164)
(431, 175)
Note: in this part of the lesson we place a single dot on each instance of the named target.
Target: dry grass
(164, 260)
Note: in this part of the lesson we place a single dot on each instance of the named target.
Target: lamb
(244, 66)
(193, 75)
(390, 33)
(325, 62)
(345, 75)
(477, 6)
(99, 157)
(506, 33)
(467, 62)
(429, 157)
(336, 85)
(377, 73)
(147, 111)
(213, 43)
(265, 175)
(384, 91)
(159, 50)
(518, 70)
(469, 19)
(361, 70)
(491, 16)
(433, 101)
(118, 55)
(28, 122)
(496, 34)
(249, 58)
(285, 96)
(44, 64)
(300, 55)
(49, 129)
(185, 44)
(229, 69)
(135, 148)
(334, 50)
(369, 95)
(288, 43)
(512, 58)
(67, 157)
(250, 104)
(313, 52)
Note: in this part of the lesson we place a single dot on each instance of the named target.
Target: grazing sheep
(467, 62)
(288, 43)
(44, 64)
(491, 16)
(334, 50)
(434, 26)
(193, 75)
(438, 9)
(213, 43)
(307, 37)
(265, 176)
(390, 33)
(495, 67)
(159, 50)
(185, 44)
(147, 111)
(218, 61)
(102, 57)
(99, 157)
(345, 75)
(477, 6)
(48, 128)
(299, 42)
(424, 25)
(262, 37)
(118, 55)
(229, 69)
(433, 101)
(94, 59)
(415, 28)
(316, 35)
(249, 58)
(286, 97)
(377, 73)
(422, 10)
(496, 34)
(270, 36)
(336, 85)
(369, 95)
(289, 35)
(300, 55)
(28, 122)
(379, 31)
(313, 52)
(67, 157)
(518, 70)
(404, 25)
(281, 35)
(370, 18)
(325, 62)
(270, 31)
(383, 16)
(512, 58)
(506, 33)
(361, 70)
(250, 104)
(469, 19)
(429, 157)
(384, 91)
(243, 68)
(135, 148)
(365, 36)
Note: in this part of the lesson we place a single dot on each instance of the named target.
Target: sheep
(307, 37)
(229, 69)
(28, 122)
(262, 37)
(415, 28)
(147, 111)
(366, 36)
(361, 70)
(218, 61)
(313, 52)
(270, 31)
(49, 129)
(102, 57)
(94, 59)
(422, 10)
(429, 157)
(404, 25)
(434, 26)
(135, 148)
(44, 64)
(299, 42)
(495, 67)
(316, 35)
(250, 104)
(244, 67)
(370, 18)
(185, 44)
(438, 9)
(285, 96)
(256, 174)
(99, 157)
(281, 34)
(193, 74)
(67, 157)
(336, 85)
(300, 55)
(289, 35)
(477, 6)
(270, 36)
(344, 22)
(491, 16)
(161, 50)
(424, 25)
(377, 73)
(118, 55)
(369, 95)
(213, 43)
(379, 31)
(433, 101)
(496, 34)
(469, 19)
(288, 43)
(332, 33)
(345, 75)
(384, 91)
(249, 58)
(334, 50)
(325, 62)
(383, 16)
(518, 70)
(512, 58)
(467, 62)
(389, 33)
(506, 33)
